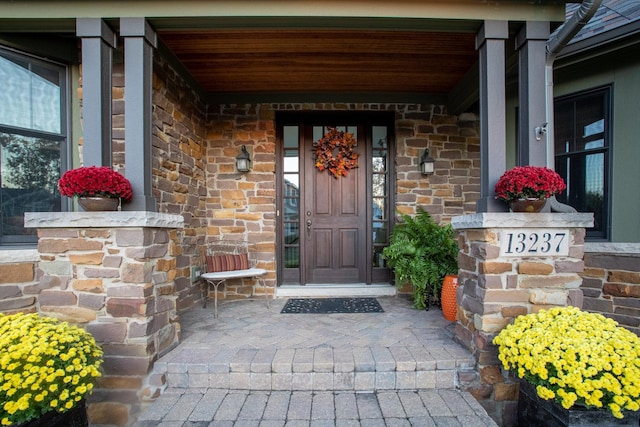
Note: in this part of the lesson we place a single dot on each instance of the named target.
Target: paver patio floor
(253, 366)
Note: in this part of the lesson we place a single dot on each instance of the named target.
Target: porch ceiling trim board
(437, 9)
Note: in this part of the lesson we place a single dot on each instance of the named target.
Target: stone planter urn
(92, 204)
(527, 205)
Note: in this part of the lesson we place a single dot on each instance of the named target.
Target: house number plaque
(521, 242)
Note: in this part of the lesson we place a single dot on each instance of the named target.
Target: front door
(335, 215)
(332, 230)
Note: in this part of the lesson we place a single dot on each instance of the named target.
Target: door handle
(309, 228)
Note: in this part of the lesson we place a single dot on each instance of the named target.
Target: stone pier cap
(522, 220)
(116, 219)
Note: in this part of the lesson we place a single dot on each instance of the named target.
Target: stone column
(113, 273)
(512, 264)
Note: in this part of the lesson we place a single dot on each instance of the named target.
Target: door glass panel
(291, 212)
(291, 161)
(379, 160)
(291, 257)
(378, 258)
(291, 233)
(379, 185)
(380, 232)
(379, 208)
(290, 136)
(291, 185)
(353, 130)
(320, 131)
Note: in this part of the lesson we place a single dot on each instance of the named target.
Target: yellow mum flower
(35, 354)
(545, 393)
(576, 356)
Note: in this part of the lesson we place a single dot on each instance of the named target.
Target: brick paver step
(323, 368)
(207, 407)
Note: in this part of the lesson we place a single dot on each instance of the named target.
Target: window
(582, 153)
(32, 140)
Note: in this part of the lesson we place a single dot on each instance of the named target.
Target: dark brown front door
(335, 217)
(332, 230)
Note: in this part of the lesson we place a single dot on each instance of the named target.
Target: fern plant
(422, 252)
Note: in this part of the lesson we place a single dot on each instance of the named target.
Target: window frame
(63, 137)
(604, 234)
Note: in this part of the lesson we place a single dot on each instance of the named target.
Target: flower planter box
(535, 411)
(74, 417)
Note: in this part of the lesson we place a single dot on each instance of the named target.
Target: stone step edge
(269, 372)
(320, 360)
(313, 381)
(260, 368)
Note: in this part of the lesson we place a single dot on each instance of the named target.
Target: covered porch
(170, 92)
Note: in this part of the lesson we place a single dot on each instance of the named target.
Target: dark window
(582, 153)
(32, 139)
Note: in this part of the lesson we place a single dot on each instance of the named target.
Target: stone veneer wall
(242, 206)
(611, 282)
(179, 169)
(20, 283)
(454, 143)
(114, 273)
(494, 289)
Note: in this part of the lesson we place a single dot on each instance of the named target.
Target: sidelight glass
(379, 193)
(291, 197)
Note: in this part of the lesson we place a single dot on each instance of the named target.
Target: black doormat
(332, 305)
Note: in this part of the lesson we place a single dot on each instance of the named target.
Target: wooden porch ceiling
(323, 61)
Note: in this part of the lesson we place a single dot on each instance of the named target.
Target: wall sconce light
(243, 160)
(540, 131)
(426, 163)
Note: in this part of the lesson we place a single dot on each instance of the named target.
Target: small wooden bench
(225, 260)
